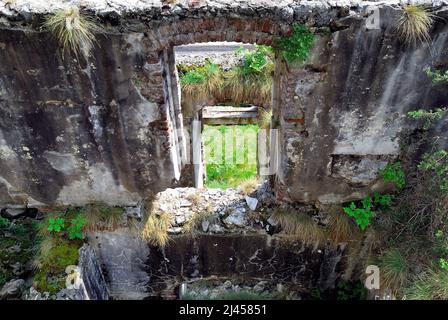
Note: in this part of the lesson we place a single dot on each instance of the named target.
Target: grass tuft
(155, 229)
(299, 225)
(394, 269)
(430, 285)
(73, 30)
(249, 185)
(414, 24)
(340, 227)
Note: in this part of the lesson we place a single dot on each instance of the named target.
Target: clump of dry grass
(194, 223)
(102, 217)
(340, 227)
(248, 88)
(414, 24)
(195, 197)
(300, 226)
(249, 185)
(264, 118)
(73, 30)
(155, 229)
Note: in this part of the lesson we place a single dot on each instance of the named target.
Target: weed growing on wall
(393, 172)
(73, 30)
(414, 24)
(298, 45)
(437, 76)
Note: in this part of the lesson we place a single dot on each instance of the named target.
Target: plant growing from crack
(73, 30)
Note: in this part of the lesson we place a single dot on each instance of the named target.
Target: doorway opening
(226, 100)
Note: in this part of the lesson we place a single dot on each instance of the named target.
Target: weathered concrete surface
(131, 274)
(109, 127)
(351, 98)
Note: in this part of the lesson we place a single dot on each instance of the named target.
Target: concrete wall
(107, 127)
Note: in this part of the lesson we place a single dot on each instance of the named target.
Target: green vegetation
(54, 256)
(362, 214)
(56, 224)
(4, 223)
(413, 227)
(414, 24)
(73, 30)
(347, 290)
(230, 155)
(437, 76)
(432, 284)
(393, 172)
(250, 82)
(298, 45)
(16, 247)
(428, 116)
(394, 268)
(436, 164)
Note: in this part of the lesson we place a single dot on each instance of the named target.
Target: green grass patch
(20, 233)
(230, 154)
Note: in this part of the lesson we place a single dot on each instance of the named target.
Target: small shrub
(437, 163)
(298, 45)
(73, 30)
(393, 172)
(363, 214)
(437, 76)
(414, 24)
(428, 116)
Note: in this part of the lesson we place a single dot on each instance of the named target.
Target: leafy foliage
(414, 24)
(437, 163)
(56, 224)
(75, 231)
(4, 223)
(362, 214)
(298, 45)
(437, 76)
(428, 116)
(347, 290)
(393, 172)
(257, 60)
